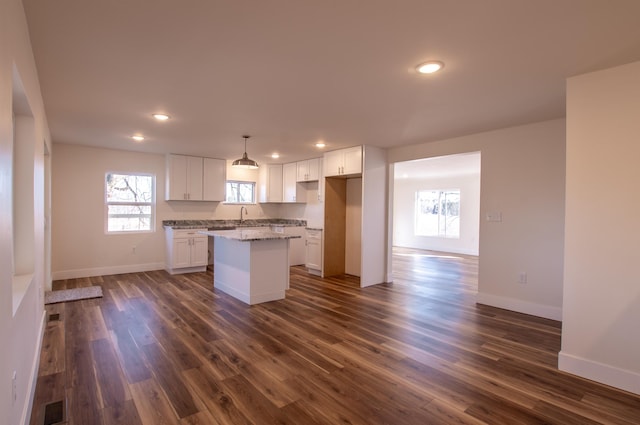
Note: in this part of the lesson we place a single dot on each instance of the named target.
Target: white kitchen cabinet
(308, 170)
(297, 255)
(270, 179)
(193, 178)
(184, 178)
(293, 191)
(186, 250)
(214, 176)
(313, 242)
(343, 162)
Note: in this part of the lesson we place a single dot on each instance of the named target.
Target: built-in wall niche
(23, 216)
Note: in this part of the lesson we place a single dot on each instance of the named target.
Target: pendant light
(245, 162)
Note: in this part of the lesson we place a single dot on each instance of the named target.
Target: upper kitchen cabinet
(184, 178)
(343, 162)
(308, 170)
(193, 178)
(270, 180)
(214, 178)
(293, 191)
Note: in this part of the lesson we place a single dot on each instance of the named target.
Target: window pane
(240, 192)
(128, 218)
(129, 188)
(129, 224)
(438, 213)
(129, 202)
(114, 210)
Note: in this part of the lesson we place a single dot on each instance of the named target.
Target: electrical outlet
(14, 387)
(133, 249)
(522, 278)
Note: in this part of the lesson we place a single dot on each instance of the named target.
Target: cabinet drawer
(188, 233)
(314, 234)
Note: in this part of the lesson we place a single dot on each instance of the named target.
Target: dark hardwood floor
(162, 349)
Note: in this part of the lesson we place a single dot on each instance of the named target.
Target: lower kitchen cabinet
(296, 246)
(313, 244)
(297, 255)
(186, 251)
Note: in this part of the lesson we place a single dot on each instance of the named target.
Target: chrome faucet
(245, 211)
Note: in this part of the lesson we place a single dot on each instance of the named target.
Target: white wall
(601, 314)
(80, 246)
(523, 179)
(20, 331)
(404, 199)
(375, 217)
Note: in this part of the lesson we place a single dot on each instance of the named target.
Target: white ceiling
(292, 72)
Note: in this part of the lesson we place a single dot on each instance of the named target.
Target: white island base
(253, 271)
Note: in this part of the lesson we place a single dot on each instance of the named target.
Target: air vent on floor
(54, 317)
(54, 413)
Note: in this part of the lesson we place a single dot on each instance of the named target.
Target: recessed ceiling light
(138, 138)
(275, 155)
(161, 117)
(320, 145)
(429, 67)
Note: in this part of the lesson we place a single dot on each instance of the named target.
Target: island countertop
(248, 235)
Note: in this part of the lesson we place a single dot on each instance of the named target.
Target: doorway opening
(436, 219)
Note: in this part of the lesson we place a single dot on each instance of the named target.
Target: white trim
(104, 271)
(20, 285)
(520, 306)
(610, 375)
(28, 407)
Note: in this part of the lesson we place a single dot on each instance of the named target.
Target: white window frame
(152, 204)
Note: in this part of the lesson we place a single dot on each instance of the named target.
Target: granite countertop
(232, 224)
(248, 235)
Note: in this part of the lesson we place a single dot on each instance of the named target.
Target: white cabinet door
(194, 178)
(289, 182)
(214, 179)
(199, 251)
(270, 176)
(184, 178)
(314, 249)
(343, 162)
(314, 171)
(302, 171)
(333, 163)
(176, 182)
(352, 162)
(181, 253)
(293, 191)
(321, 181)
(297, 255)
(308, 170)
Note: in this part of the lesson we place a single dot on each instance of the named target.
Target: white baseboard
(103, 271)
(28, 407)
(526, 307)
(600, 372)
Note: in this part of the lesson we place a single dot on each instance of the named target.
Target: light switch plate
(494, 216)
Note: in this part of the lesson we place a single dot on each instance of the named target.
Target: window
(240, 192)
(438, 213)
(129, 202)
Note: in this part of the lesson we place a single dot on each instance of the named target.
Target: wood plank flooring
(162, 349)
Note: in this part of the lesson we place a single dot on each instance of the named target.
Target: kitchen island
(251, 265)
